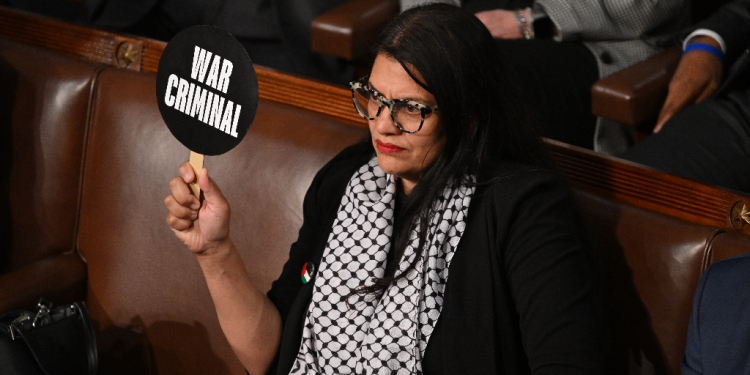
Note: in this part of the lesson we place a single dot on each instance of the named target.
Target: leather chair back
(44, 102)
(145, 290)
(650, 264)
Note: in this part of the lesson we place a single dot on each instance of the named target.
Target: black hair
(484, 122)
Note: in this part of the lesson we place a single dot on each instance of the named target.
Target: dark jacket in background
(275, 33)
(719, 334)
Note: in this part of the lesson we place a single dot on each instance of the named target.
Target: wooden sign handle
(196, 161)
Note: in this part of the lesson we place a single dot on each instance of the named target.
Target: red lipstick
(388, 148)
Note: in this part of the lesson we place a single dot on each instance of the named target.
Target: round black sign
(207, 89)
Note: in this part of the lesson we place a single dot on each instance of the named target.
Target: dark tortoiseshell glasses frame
(362, 84)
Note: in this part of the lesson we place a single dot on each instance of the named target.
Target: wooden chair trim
(101, 47)
(648, 188)
(635, 94)
(71, 39)
(612, 178)
(318, 97)
(348, 30)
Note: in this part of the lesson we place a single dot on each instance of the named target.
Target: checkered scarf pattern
(387, 333)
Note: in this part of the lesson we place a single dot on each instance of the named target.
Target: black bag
(57, 341)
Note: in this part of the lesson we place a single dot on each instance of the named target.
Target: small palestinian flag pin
(308, 271)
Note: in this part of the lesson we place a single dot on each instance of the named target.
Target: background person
(703, 131)
(443, 244)
(718, 339)
(559, 48)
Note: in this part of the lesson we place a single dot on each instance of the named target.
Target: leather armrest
(349, 30)
(635, 94)
(60, 279)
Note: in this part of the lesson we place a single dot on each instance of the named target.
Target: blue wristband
(706, 48)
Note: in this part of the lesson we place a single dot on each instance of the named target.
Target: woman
(450, 183)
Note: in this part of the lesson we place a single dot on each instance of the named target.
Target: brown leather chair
(634, 95)
(45, 104)
(349, 30)
(44, 110)
(144, 287)
(652, 244)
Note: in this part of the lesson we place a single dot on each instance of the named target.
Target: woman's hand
(249, 320)
(202, 227)
(502, 24)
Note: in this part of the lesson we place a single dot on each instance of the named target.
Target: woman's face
(402, 154)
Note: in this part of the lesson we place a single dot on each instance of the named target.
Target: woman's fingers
(179, 210)
(179, 216)
(181, 205)
(186, 172)
(178, 224)
(181, 193)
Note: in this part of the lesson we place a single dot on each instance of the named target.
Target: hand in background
(502, 24)
(698, 75)
(201, 227)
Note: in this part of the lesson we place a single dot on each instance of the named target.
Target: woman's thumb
(208, 186)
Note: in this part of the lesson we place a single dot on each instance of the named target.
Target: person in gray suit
(703, 131)
(557, 49)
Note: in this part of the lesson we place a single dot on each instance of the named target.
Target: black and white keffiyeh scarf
(378, 334)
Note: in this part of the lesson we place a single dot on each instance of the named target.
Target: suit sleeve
(614, 20)
(692, 361)
(551, 276)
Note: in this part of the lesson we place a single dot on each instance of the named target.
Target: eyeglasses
(407, 115)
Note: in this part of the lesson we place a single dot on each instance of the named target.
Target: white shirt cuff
(705, 32)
